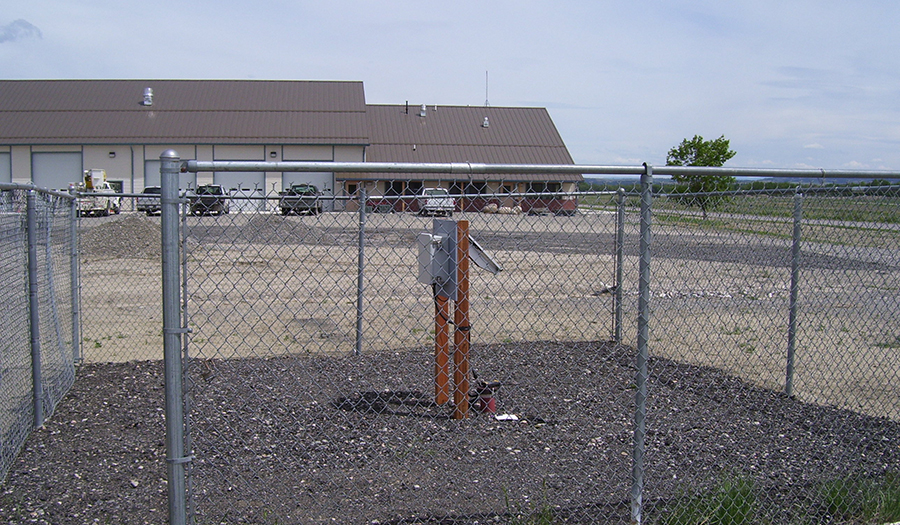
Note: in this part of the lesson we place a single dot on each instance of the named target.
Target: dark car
(149, 202)
(300, 198)
(209, 199)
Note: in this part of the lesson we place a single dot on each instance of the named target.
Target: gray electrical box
(437, 258)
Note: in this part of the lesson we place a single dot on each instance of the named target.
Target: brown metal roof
(398, 133)
(188, 111)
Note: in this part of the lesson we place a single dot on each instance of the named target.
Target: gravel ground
(362, 443)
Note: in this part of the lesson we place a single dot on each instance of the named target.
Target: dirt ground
(266, 285)
(289, 426)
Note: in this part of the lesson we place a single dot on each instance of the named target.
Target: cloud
(814, 146)
(18, 29)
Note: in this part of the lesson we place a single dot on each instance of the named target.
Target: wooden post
(441, 350)
(461, 320)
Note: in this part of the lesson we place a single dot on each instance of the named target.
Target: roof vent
(423, 111)
(486, 123)
(148, 97)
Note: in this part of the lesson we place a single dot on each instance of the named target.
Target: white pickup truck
(435, 201)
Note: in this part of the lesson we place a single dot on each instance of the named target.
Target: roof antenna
(486, 103)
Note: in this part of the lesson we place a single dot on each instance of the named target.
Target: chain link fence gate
(39, 321)
(310, 369)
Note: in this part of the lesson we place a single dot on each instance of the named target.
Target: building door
(56, 170)
(5, 167)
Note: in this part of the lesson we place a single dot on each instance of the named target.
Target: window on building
(413, 187)
(476, 188)
(394, 188)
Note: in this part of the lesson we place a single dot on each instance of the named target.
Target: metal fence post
(34, 319)
(360, 269)
(795, 288)
(186, 359)
(643, 338)
(172, 333)
(620, 259)
(77, 356)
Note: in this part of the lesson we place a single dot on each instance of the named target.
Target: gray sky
(791, 83)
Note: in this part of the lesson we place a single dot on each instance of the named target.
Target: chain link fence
(646, 359)
(773, 293)
(766, 390)
(39, 317)
(121, 276)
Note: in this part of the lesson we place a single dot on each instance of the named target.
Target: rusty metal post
(461, 320)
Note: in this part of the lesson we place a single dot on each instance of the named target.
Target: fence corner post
(643, 338)
(172, 338)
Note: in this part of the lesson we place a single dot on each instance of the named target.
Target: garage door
(323, 181)
(5, 168)
(235, 180)
(56, 170)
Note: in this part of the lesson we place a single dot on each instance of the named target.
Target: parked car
(435, 201)
(149, 202)
(209, 199)
(381, 204)
(300, 198)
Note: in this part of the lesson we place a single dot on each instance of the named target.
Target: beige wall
(239, 153)
(117, 168)
(325, 153)
(349, 153)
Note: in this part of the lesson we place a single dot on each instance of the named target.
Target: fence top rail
(467, 168)
(8, 186)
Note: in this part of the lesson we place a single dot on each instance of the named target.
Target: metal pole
(37, 382)
(172, 331)
(360, 269)
(77, 356)
(795, 288)
(620, 259)
(643, 338)
(461, 335)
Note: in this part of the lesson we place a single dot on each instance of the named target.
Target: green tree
(699, 152)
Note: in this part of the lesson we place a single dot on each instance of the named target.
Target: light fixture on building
(273, 154)
(112, 154)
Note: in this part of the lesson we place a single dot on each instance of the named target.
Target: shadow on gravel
(388, 403)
